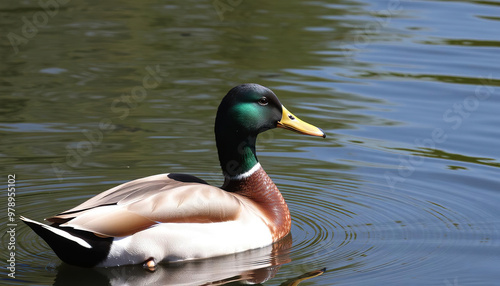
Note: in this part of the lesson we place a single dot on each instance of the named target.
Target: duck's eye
(263, 101)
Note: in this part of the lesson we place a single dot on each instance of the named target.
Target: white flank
(188, 241)
(60, 233)
(247, 173)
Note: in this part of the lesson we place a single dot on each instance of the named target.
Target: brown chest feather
(259, 188)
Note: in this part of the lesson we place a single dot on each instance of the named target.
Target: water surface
(403, 191)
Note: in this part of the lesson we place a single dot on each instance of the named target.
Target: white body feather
(186, 241)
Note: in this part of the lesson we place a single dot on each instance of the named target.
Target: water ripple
(361, 227)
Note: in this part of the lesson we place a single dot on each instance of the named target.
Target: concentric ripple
(340, 222)
(347, 225)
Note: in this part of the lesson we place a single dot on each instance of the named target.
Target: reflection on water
(383, 200)
(250, 267)
(306, 276)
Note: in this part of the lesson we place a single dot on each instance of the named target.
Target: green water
(403, 191)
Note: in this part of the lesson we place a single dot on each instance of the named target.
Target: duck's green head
(246, 111)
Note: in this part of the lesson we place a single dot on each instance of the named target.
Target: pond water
(405, 189)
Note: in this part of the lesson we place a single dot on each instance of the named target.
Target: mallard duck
(175, 217)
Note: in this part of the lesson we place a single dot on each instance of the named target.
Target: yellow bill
(292, 122)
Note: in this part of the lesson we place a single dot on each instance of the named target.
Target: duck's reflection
(250, 267)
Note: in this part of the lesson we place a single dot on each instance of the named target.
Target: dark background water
(403, 191)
